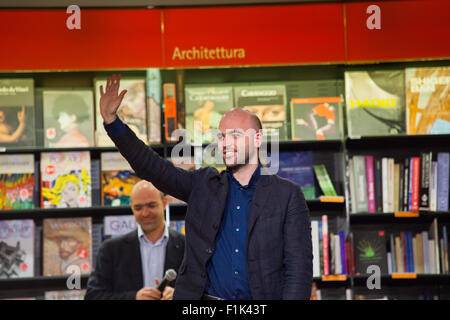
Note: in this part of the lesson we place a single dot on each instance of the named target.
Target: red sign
(227, 36)
(107, 39)
(413, 29)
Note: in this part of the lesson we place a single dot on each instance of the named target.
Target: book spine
(321, 247)
(353, 194)
(415, 254)
(393, 253)
(398, 254)
(425, 168)
(445, 237)
(360, 182)
(396, 186)
(326, 262)
(426, 254)
(315, 248)
(343, 255)
(411, 252)
(432, 256)
(401, 185)
(406, 184)
(325, 182)
(391, 184)
(347, 257)
(404, 252)
(415, 184)
(384, 169)
(352, 253)
(378, 186)
(170, 110)
(410, 192)
(442, 181)
(389, 262)
(370, 181)
(435, 236)
(433, 186)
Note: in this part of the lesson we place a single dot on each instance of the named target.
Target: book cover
(370, 182)
(316, 118)
(115, 226)
(325, 183)
(205, 106)
(375, 102)
(16, 248)
(118, 179)
(17, 118)
(65, 179)
(68, 118)
(132, 110)
(268, 102)
(443, 165)
(67, 245)
(16, 181)
(359, 165)
(298, 166)
(370, 249)
(428, 100)
(154, 100)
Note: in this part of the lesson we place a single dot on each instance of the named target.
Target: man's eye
(138, 208)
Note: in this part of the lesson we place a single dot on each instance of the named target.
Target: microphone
(170, 275)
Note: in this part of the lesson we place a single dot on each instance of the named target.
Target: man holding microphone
(248, 235)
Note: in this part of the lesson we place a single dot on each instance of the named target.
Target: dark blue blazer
(279, 248)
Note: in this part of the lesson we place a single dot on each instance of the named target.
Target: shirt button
(237, 229)
(236, 250)
(238, 207)
(236, 272)
(209, 250)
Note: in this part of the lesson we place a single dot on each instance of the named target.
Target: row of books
(382, 184)
(59, 245)
(382, 102)
(72, 179)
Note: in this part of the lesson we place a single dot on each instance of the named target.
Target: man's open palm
(110, 99)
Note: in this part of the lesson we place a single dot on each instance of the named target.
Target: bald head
(144, 188)
(245, 119)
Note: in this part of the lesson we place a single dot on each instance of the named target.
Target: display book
(387, 185)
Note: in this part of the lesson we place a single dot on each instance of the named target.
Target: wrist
(109, 119)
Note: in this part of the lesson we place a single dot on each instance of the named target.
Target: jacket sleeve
(100, 282)
(150, 166)
(297, 249)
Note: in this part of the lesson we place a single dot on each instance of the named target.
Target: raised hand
(110, 100)
(21, 115)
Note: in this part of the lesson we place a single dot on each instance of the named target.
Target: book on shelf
(370, 249)
(268, 102)
(205, 106)
(132, 110)
(67, 246)
(428, 100)
(154, 101)
(114, 226)
(178, 225)
(316, 109)
(65, 179)
(298, 166)
(170, 112)
(442, 190)
(375, 102)
(17, 248)
(16, 181)
(325, 183)
(17, 113)
(118, 179)
(68, 118)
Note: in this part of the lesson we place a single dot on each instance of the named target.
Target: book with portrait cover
(375, 103)
(68, 118)
(132, 110)
(118, 179)
(316, 109)
(16, 248)
(205, 106)
(428, 100)
(370, 249)
(17, 123)
(65, 179)
(16, 181)
(65, 295)
(268, 102)
(115, 226)
(298, 166)
(67, 246)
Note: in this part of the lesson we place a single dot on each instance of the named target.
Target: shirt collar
(141, 234)
(253, 179)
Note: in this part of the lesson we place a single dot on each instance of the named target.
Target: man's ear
(258, 139)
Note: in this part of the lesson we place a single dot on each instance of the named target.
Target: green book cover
(324, 180)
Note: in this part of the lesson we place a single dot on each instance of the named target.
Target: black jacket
(118, 268)
(279, 247)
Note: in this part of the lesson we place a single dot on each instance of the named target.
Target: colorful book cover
(65, 179)
(370, 249)
(154, 100)
(298, 166)
(118, 179)
(17, 122)
(68, 117)
(205, 106)
(65, 295)
(268, 102)
(16, 181)
(67, 246)
(428, 100)
(443, 165)
(16, 249)
(132, 110)
(375, 103)
(115, 226)
(325, 183)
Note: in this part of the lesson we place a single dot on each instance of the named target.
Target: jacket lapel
(173, 252)
(134, 249)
